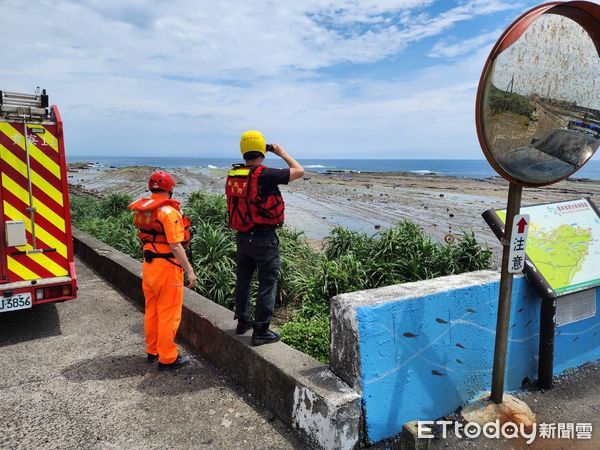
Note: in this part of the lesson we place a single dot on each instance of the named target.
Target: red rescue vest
(246, 205)
(150, 230)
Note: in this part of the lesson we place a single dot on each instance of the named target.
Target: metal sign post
(504, 301)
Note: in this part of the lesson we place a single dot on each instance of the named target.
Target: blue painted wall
(421, 358)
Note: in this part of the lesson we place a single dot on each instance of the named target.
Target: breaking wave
(423, 172)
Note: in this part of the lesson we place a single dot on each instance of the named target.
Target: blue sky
(326, 79)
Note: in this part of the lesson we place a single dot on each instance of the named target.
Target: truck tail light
(53, 292)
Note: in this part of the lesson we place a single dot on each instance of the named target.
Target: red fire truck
(36, 247)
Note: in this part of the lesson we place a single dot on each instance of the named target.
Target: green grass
(349, 260)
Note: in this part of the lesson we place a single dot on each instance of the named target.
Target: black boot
(152, 358)
(262, 335)
(243, 326)
(180, 362)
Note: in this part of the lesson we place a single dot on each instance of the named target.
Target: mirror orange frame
(586, 14)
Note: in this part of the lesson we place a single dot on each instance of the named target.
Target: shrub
(470, 255)
(211, 208)
(83, 207)
(114, 205)
(298, 261)
(309, 335)
(118, 232)
(341, 241)
(344, 274)
(399, 254)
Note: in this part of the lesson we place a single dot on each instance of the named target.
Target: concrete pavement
(74, 375)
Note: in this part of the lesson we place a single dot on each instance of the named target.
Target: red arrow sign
(522, 224)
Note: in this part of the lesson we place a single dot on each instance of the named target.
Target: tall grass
(213, 259)
(349, 260)
(109, 220)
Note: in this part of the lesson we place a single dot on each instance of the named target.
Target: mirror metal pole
(504, 301)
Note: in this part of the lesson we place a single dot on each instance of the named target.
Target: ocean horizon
(466, 168)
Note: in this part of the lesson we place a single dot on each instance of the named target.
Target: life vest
(150, 230)
(246, 205)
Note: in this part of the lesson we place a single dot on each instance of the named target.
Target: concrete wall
(420, 350)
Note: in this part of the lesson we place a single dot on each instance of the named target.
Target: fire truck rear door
(32, 192)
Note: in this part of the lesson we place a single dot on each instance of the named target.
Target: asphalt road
(74, 375)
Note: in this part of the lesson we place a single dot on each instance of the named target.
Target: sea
(467, 168)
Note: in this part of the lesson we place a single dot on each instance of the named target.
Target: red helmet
(161, 180)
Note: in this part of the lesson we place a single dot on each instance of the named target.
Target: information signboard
(563, 246)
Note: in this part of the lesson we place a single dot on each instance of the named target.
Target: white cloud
(454, 48)
(145, 75)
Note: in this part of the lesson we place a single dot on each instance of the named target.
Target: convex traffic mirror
(538, 104)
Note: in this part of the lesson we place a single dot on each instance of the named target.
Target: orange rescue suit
(150, 229)
(162, 279)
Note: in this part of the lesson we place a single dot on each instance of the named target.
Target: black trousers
(256, 251)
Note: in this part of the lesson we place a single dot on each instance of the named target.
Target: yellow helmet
(253, 141)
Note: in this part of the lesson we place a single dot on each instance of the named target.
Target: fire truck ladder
(24, 108)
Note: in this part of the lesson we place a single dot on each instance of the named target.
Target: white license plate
(19, 301)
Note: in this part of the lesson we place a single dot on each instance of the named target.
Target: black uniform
(258, 250)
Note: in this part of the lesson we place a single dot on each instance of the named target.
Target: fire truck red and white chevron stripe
(48, 200)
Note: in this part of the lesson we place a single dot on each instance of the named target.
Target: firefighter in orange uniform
(165, 234)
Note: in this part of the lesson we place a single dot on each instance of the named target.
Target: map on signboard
(563, 245)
